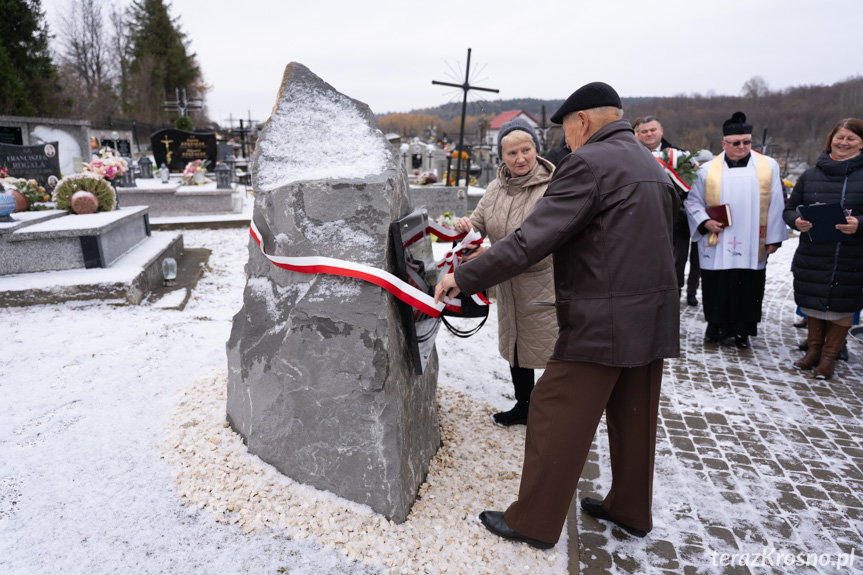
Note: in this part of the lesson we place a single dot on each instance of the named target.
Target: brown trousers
(565, 409)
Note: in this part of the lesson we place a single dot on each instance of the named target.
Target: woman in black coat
(828, 276)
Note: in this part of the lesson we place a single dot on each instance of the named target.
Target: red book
(721, 214)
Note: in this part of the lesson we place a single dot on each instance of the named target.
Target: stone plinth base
(61, 241)
(173, 199)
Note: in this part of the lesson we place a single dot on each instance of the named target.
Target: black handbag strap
(463, 332)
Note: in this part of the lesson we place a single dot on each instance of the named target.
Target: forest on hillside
(797, 119)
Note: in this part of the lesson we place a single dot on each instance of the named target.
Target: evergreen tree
(160, 55)
(28, 78)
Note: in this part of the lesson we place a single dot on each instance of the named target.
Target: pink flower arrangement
(108, 164)
(191, 169)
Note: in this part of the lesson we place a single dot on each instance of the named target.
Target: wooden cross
(466, 86)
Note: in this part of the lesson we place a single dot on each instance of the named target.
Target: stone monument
(320, 381)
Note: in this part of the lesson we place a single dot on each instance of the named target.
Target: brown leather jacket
(607, 217)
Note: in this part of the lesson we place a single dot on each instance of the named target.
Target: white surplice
(738, 244)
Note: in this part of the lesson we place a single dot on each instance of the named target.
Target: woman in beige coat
(526, 331)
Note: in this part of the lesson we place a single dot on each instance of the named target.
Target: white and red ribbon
(405, 292)
(669, 169)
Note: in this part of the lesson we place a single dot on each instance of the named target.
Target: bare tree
(85, 58)
(121, 50)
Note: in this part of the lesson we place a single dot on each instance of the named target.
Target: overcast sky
(387, 53)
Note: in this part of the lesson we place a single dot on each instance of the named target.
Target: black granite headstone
(124, 147)
(11, 135)
(39, 162)
(176, 148)
(224, 151)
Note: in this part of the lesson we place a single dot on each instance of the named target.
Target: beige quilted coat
(500, 211)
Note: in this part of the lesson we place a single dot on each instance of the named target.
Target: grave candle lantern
(146, 168)
(223, 177)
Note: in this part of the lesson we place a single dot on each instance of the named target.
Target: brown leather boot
(832, 344)
(815, 340)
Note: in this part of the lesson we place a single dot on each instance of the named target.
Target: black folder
(824, 218)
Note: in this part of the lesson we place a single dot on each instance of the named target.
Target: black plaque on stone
(176, 148)
(39, 162)
(11, 135)
(416, 265)
(124, 147)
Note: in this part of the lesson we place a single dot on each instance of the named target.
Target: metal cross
(466, 86)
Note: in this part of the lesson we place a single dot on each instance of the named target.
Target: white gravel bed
(478, 467)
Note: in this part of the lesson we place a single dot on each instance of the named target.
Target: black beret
(593, 95)
(736, 125)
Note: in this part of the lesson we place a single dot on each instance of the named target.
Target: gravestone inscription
(176, 148)
(39, 162)
(11, 135)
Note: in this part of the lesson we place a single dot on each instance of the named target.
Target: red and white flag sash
(405, 292)
(669, 169)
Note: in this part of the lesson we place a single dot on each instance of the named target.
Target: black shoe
(691, 300)
(493, 521)
(742, 341)
(594, 508)
(515, 416)
(843, 353)
(802, 322)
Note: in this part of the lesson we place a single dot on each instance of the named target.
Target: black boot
(522, 380)
(515, 416)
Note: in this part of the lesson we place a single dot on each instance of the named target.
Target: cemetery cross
(466, 86)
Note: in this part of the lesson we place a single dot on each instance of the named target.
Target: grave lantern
(231, 160)
(127, 180)
(146, 168)
(164, 173)
(223, 177)
(169, 271)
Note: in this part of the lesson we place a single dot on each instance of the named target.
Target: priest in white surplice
(733, 258)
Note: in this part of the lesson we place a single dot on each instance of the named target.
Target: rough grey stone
(321, 383)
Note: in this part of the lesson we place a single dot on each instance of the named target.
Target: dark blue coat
(829, 276)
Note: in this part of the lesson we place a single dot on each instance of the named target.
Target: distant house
(503, 118)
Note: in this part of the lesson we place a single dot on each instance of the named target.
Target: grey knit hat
(517, 124)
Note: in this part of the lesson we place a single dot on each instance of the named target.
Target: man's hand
(770, 248)
(446, 287)
(713, 226)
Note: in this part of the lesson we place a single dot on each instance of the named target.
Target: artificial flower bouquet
(108, 164)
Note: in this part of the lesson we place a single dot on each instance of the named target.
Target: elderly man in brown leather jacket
(607, 218)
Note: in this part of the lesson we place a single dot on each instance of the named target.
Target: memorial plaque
(39, 162)
(11, 135)
(123, 147)
(176, 148)
(416, 266)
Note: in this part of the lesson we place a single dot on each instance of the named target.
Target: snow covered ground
(88, 389)
(751, 453)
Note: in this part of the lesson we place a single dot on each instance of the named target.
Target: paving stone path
(758, 465)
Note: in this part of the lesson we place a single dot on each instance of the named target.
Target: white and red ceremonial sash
(669, 168)
(405, 292)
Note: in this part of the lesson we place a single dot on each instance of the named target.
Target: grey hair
(651, 119)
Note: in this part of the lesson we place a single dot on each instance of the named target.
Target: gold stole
(713, 185)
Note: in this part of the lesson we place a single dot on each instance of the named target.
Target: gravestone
(11, 135)
(40, 162)
(123, 147)
(320, 379)
(176, 148)
(223, 151)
